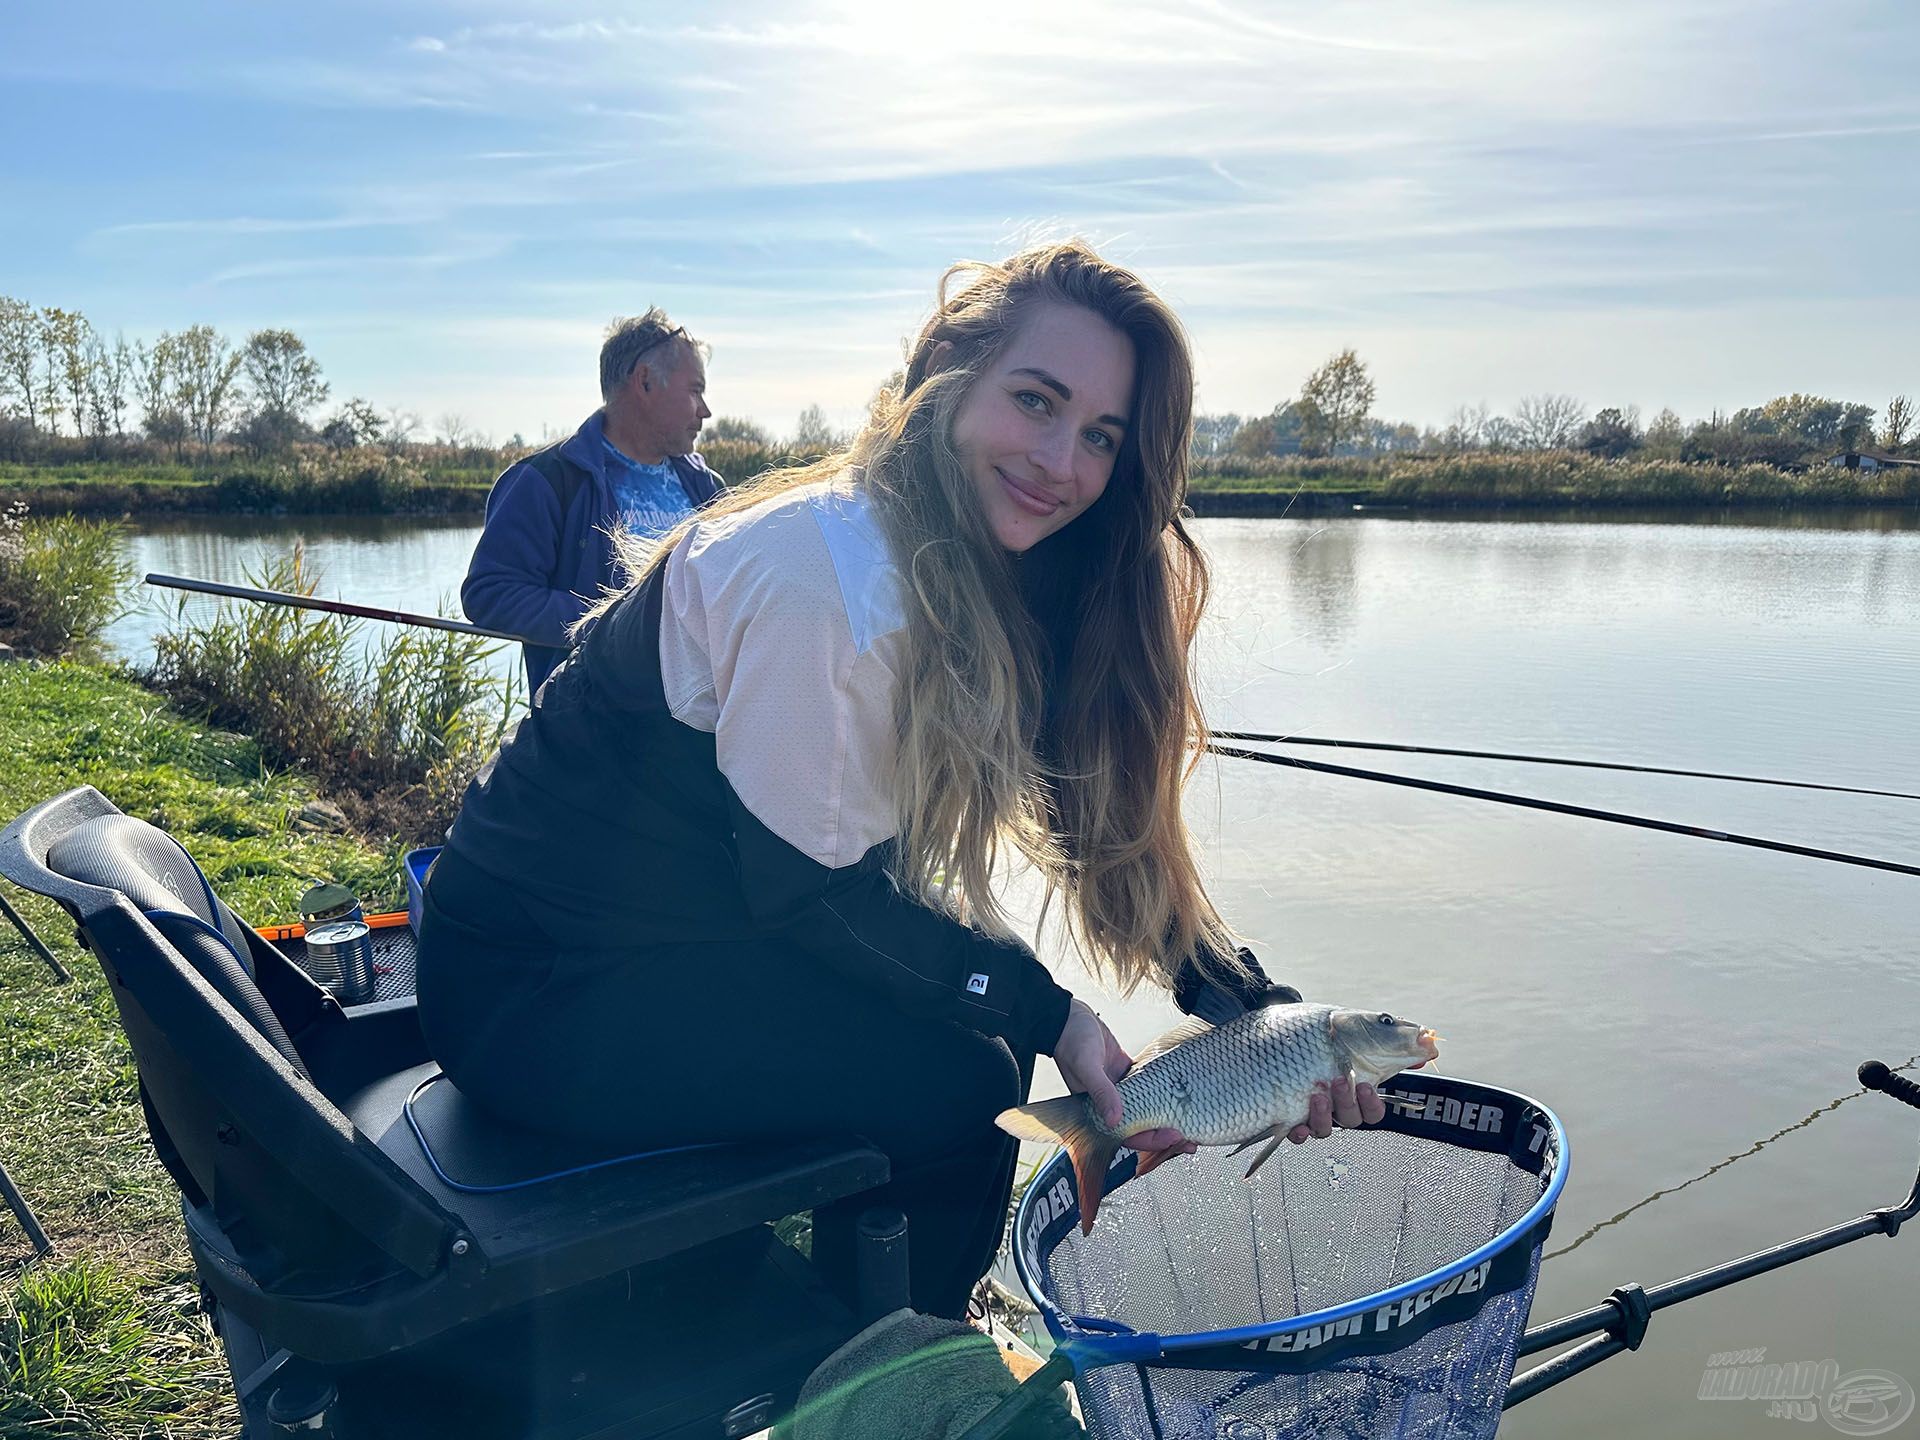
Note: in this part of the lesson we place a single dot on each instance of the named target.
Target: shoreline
(146, 499)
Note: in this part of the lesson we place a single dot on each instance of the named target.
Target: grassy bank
(1543, 480)
(105, 1339)
(312, 482)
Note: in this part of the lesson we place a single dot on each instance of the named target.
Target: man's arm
(509, 585)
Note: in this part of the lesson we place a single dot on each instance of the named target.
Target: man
(546, 550)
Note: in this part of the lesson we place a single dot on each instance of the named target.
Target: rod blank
(332, 607)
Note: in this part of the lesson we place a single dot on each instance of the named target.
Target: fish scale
(1249, 1079)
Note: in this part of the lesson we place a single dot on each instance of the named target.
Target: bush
(396, 732)
(61, 581)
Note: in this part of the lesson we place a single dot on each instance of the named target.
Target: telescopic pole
(332, 607)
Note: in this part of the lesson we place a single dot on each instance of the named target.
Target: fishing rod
(332, 607)
(1585, 812)
(1266, 739)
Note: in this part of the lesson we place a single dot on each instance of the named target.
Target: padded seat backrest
(160, 879)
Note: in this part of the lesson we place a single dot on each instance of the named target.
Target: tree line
(61, 377)
(1332, 415)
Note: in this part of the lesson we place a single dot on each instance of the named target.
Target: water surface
(1675, 1000)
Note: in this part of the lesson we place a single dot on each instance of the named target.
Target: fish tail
(1069, 1120)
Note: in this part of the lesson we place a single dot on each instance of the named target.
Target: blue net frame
(1374, 1284)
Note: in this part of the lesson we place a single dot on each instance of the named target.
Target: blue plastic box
(415, 865)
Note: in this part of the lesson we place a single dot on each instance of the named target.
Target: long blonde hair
(1098, 813)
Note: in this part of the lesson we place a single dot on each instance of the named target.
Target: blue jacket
(538, 566)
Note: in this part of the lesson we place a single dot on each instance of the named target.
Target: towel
(915, 1377)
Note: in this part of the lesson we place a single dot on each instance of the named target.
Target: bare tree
(19, 357)
(1334, 403)
(1466, 427)
(1898, 424)
(1548, 422)
(204, 368)
(455, 433)
(70, 332)
(153, 382)
(401, 426)
(56, 328)
(812, 432)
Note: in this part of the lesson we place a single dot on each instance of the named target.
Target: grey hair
(631, 337)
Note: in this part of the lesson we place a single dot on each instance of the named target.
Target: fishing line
(1753, 1149)
(1558, 808)
(1553, 760)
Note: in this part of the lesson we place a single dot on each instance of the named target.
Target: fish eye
(1386, 1019)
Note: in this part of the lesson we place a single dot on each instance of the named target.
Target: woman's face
(1041, 429)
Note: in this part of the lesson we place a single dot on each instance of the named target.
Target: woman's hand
(1090, 1061)
(1344, 1104)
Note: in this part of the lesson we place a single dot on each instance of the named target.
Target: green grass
(91, 1349)
(104, 1339)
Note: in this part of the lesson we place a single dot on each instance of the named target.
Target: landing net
(1374, 1284)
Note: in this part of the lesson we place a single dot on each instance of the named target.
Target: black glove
(1218, 1001)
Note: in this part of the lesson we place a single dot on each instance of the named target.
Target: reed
(62, 581)
(394, 732)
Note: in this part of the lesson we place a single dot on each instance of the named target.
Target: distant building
(1861, 460)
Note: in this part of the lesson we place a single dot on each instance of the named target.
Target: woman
(731, 878)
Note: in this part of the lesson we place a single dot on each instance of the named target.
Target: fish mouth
(1429, 1048)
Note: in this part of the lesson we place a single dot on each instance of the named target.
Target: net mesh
(1192, 1247)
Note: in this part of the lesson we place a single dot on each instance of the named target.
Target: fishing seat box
(342, 1262)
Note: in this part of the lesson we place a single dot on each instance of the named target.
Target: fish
(1248, 1080)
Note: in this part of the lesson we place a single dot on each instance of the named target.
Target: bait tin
(340, 957)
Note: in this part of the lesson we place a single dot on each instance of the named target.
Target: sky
(1694, 203)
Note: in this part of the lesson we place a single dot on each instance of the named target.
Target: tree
(1334, 403)
(1214, 433)
(1814, 421)
(1466, 427)
(1666, 436)
(401, 426)
(737, 430)
(19, 357)
(455, 433)
(1612, 432)
(1254, 440)
(358, 421)
(1898, 424)
(153, 389)
(57, 331)
(205, 366)
(812, 432)
(283, 378)
(1548, 422)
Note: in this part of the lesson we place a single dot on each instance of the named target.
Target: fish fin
(1153, 1160)
(1246, 1145)
(1045, 1120)
(1190, 1028)
(1069, 1120)
(1279, 1134)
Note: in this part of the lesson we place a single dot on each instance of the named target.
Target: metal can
(329, 902)
(340, 957)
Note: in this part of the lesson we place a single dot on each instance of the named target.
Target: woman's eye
(1032, 400)
(1100, 440)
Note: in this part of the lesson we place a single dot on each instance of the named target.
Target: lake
(1692, 1010)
